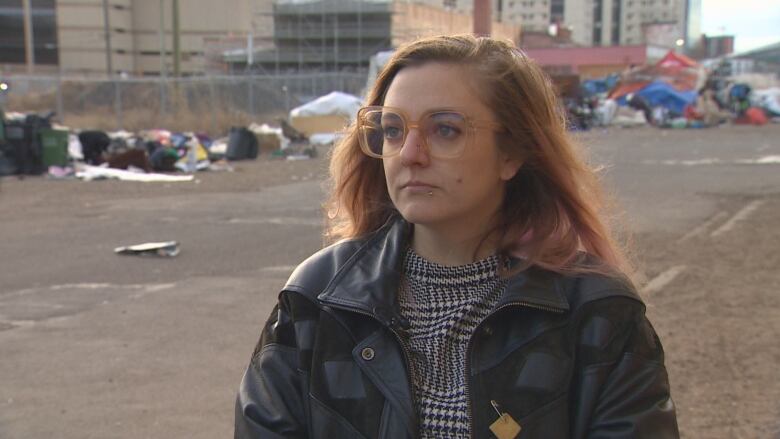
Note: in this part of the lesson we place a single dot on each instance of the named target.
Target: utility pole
(107, 29)
(110, 67)
(161, 34)
(176, 47)
(163, 70)
(29, 44)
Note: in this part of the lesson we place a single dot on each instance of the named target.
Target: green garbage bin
(54, 144)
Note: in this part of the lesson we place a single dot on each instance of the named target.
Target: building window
(44, 18)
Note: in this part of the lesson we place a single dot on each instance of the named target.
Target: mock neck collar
(368, 281)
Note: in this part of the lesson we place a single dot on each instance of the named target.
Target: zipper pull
(401, 321)
(505, 427)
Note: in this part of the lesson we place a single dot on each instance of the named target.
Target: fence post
(212, 106)
(60, 109)
(163, 103)
(117, 103)
(251, 95)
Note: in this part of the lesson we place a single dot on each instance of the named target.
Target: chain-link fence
(203, 104)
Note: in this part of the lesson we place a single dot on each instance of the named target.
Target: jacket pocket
(551, 421)
(326, 423)
(391, 426)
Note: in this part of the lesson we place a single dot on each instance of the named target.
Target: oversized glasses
(445, 133)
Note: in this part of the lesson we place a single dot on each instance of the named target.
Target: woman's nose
(414, 151)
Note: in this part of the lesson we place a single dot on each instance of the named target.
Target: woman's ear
(509, 167)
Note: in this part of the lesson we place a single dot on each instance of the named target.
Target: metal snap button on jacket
(367, 354)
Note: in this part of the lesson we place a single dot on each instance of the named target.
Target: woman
(475, 291)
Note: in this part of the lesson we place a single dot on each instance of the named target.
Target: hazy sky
(754, 23)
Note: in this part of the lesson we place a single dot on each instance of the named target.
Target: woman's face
(459, 193)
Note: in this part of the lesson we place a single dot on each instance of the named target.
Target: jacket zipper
(468, 351)
(404, 349)
(410, 368)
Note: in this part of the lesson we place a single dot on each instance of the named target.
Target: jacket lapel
(369, 280)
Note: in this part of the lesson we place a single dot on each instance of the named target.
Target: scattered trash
(323, 139)
(89, 173)
(61, 172)
(165, 249)
(270, 138)
(220, 166)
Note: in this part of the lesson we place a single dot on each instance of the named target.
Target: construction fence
(210, 104)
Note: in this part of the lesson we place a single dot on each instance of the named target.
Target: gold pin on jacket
(505, 427)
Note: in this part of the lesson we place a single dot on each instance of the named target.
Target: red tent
(674, 60)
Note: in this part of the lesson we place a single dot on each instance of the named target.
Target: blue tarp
(602, 85)
(659, 93)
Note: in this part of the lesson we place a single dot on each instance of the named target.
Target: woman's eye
(447, 131)
(392, 132)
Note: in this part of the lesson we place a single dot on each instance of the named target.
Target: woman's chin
(421, 215)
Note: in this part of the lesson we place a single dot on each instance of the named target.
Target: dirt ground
(706, 246)
(719, 322)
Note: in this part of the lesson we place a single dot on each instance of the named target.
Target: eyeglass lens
(384, 132)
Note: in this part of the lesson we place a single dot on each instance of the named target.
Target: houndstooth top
(444, 305)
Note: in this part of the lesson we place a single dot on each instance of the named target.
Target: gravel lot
(99, 345)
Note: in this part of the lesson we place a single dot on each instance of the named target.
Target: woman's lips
(418, 187)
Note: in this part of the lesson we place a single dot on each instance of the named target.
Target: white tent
(332, 104)
(327, 114)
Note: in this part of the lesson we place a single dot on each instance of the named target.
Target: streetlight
(679, 42)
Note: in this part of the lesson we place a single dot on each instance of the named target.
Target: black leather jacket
(564, 356)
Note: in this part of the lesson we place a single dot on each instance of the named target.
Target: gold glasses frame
(473, 125)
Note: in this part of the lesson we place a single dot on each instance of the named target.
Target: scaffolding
(318, 36)
(311, 36)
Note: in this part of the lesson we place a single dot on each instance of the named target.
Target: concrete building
(717, 46)
(608, 22)
(342, 35)
(70, 35)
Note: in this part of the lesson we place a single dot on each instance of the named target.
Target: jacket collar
(369, 280)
